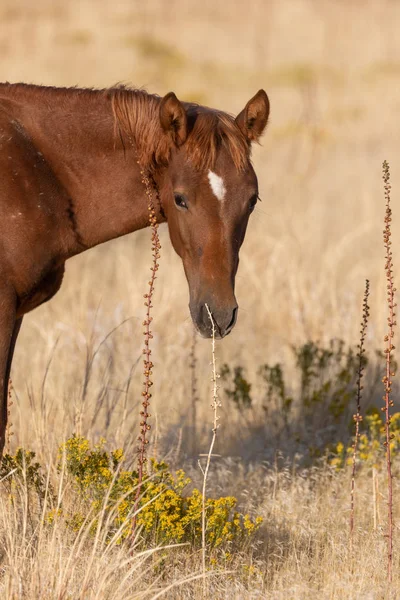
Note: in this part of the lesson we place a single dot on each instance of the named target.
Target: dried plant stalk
(387, 382)
(193, 390)
(357, 417)
(147, 363)
(9, 432)
(215, 405)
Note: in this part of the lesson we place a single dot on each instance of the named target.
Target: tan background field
(332, 73)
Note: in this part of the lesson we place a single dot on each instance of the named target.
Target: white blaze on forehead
(217, 185)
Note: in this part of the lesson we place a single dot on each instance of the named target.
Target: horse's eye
(253, 202)
(180, 201)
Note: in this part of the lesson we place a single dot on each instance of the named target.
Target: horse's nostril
(233, 320)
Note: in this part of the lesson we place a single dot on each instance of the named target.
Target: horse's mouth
(207, 326)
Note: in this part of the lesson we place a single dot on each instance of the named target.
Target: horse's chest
(43, 291)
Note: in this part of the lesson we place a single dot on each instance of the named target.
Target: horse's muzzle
(224, 320)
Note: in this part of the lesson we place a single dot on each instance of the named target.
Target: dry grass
(302, 550)
(331, 72)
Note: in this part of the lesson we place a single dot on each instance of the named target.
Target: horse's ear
(253, 118)
(173, 118)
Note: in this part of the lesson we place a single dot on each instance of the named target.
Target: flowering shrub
(371, 444)
(104, 492)
(166, 514)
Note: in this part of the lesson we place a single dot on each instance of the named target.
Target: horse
(71, 170)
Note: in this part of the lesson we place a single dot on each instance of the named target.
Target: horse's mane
(136, 114)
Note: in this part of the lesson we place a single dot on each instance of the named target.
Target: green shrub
(327, 376)
(240, 394)
(308, 409)
(20, 468)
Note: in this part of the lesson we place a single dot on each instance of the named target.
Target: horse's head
(214, 193)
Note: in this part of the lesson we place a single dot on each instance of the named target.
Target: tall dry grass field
(332, 72)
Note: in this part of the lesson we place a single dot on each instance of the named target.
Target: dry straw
(387, 382)
(357, 417)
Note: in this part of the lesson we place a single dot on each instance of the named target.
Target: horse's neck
(100, 175)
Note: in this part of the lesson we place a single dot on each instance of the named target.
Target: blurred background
(332, 72)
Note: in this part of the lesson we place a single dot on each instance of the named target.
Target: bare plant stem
(215, 405)
(10, 432)
(357, 417)
(388, 351)
(148, 365)
(194, 395)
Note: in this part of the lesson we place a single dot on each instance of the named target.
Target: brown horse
(70, 162)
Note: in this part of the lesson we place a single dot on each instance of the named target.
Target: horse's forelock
(213, 130)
